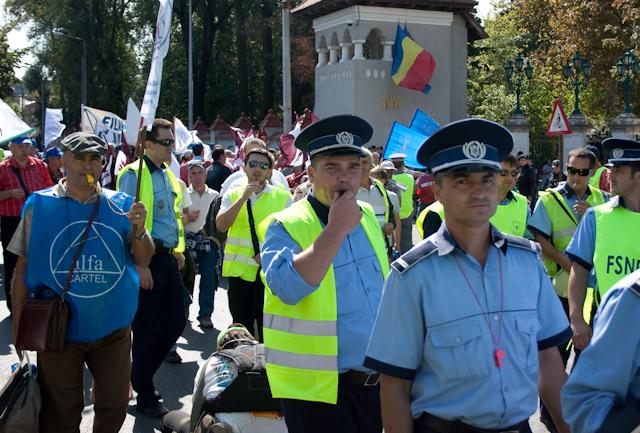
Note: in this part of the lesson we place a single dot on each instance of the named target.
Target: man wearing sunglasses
(160, 318)
(512, 212)
(556, 217)
(242, 210)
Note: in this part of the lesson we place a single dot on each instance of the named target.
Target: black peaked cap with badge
(622, 151)
(468, 144)
(334, 136)
(84, 143)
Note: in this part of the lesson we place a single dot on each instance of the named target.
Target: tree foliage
(8, 61)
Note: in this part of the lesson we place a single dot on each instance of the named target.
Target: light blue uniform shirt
(608, 371)
(358, 279)
(165, 226)
(431, 329)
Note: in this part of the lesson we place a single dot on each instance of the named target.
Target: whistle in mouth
(90, 179)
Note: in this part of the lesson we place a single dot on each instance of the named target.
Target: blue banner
(424, 123)
(405, 140)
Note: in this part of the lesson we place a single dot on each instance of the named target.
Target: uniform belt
(429, 423)
(161, 249)
(359, 378)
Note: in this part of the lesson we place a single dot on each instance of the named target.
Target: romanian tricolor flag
(413, 66)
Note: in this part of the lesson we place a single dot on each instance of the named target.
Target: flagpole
(142, 138)
(190, 68)
(286, 68)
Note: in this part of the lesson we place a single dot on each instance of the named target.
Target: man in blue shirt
(603, 392)
(461, 339)
(324, 262)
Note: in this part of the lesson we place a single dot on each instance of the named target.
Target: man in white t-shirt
(203, 251)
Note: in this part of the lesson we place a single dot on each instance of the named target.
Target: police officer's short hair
(583, 152)
(260, 151)
(158, 124)
(509, 160)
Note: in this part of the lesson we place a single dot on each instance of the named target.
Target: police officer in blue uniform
(603, 392)
(462, 339)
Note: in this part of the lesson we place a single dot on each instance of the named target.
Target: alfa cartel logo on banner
(104, 124)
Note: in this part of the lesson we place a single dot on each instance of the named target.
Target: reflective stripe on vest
(436, 207)
(595, 179)
(301, 340)
(146, 197)
(512, 218)
(562, 225)
(238, 251)
(617, 245)
(406, 197)
(387, 204)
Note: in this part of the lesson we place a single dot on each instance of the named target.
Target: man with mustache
(242, 209)
(324, 262)
(461, 339)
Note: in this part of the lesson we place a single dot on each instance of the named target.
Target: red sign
(558, 124)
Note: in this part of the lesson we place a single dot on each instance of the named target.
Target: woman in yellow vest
(511, 215)
(242, 210)
(324, 262)
(607, 240)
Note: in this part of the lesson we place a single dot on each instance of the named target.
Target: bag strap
(83, 239)
(554, 194)
(16, 171)
(252, 226)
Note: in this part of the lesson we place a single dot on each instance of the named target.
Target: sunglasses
(263, 165)
(578, 171)
(165, 142)
(513, 173)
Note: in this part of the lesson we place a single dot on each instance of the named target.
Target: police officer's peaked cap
(336, 135)
(622, 151)
(84, 143)
(397, 156)
(471, 144)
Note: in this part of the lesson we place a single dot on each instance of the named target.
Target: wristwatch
(143, 236)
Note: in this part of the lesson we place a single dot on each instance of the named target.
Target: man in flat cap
(20, 175)
(103, 292)
(325, 261)
(460, 338)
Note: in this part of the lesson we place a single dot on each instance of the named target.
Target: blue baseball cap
(52, 152)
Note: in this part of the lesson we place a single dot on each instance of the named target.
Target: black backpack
(210, 229)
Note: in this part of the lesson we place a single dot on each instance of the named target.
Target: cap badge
(474, 150)
(617, 153)
(345, 138)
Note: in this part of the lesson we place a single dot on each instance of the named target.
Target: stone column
(578, 138)
(387, 53)
(519, 127)
(333, 54)
(322, 57)
(626, 126)
(358, 53)
(346, 51)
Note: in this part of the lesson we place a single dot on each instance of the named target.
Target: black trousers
(246, 302)
(158, 323)
(8, 226)
(357, 411)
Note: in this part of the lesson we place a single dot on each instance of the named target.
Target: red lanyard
(498, 353)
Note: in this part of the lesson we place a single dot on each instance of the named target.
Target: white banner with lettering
(104, 124)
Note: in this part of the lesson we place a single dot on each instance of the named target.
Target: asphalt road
(175, 382)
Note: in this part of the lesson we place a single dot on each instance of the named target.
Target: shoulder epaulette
(526, 244)
(406, 261)
(635, 287)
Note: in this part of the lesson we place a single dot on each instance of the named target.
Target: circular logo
(617, 153)
(101, 264)
(345, 138)
(474, 150)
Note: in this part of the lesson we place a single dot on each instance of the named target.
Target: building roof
(317, 8)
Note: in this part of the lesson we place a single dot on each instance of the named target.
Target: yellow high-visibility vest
(406, 196)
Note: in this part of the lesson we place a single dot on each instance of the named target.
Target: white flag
(183, 136)
(53, 125)
(160, 49)
(11, 126)
(104, 124)
(132, 123)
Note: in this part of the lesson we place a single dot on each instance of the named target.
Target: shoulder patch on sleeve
(413, 256)
(523, 243)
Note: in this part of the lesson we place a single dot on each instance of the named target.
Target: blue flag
(424, 123)
(405, 140)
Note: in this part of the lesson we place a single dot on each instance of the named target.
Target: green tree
(8, 61)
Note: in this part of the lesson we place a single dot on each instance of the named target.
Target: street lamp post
(64, 33)
(518, 67)
(627, 68)
(577, 66)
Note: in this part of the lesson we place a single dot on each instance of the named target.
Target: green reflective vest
(146, 197)
(595, 179)
(238, 250)
(617, 247)
(406, 197)
(301, 341)
(563, 221)
(510, 219)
